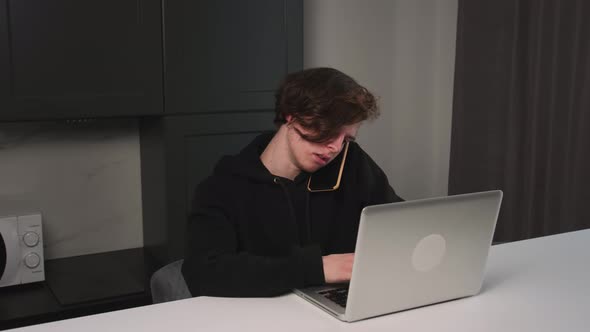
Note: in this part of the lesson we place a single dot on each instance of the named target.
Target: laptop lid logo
(429, 253)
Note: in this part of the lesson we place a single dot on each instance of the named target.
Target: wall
(84, 177)
(403, 51)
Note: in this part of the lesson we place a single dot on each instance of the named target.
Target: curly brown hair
(323, 100)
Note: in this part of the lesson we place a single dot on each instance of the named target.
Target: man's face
(310, 156)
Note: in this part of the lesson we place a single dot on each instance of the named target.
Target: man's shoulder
(358, 155)
(360, 162)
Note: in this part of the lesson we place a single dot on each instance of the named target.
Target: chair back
(168, 284)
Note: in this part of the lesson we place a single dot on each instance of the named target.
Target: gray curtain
(521, 112)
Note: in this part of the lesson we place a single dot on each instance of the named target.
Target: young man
(284, 212)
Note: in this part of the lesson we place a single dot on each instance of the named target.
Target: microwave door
(2, 256)
(11, 249)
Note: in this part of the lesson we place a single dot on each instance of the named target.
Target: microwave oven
(21, 250)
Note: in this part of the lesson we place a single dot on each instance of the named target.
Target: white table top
(540, 285)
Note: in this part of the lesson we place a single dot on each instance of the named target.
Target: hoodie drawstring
(308, 216)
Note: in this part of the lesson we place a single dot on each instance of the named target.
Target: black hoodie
(255, 234)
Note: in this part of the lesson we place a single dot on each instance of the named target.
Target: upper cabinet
(229, 55)
(75, 59)
(78, 59)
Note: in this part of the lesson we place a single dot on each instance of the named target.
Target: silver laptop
(412, 254)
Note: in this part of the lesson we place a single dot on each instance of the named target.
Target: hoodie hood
(247, 163)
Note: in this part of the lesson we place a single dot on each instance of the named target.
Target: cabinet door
(177, 153)
(229, 55)
(72, 59)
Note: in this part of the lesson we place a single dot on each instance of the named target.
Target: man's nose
(335, 144)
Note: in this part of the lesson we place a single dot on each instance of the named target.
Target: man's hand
(338, 267)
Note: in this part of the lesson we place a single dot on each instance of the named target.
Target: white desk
(534, 285)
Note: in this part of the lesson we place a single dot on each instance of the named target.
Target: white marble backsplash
(84, 178)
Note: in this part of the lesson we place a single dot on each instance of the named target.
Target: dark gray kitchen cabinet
(77, 59)
(229, 55)
(178, 152)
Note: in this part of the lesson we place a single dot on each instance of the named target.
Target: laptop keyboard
(337, 295)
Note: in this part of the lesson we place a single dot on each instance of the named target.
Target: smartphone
(328, 177)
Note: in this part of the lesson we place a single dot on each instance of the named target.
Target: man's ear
(289, 118)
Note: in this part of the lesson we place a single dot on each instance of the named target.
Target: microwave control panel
(22, 238)
(30, 232)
